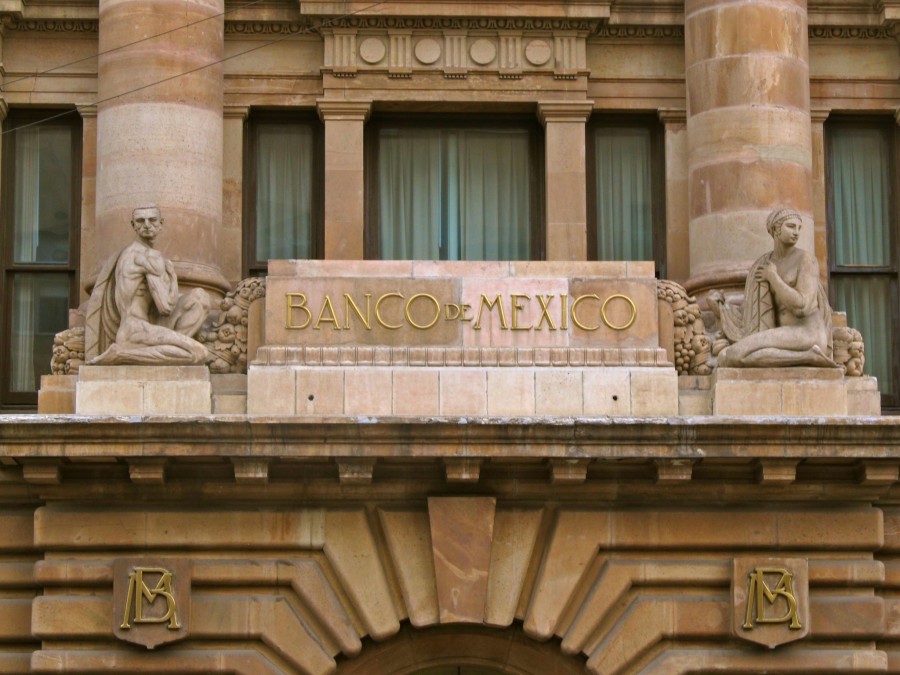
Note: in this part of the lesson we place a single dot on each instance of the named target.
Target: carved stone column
(819, 191)
(159, 129)
(344, 177)
(749, 147)
(678, 255)
(92, 251)
(231, 242)
(565, 178)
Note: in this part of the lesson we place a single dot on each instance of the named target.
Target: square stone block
(607, 392)
(746, 398)
(510, 391)
(654, 392)
(271, 390)
(813, 398)
(320, 391)
(463, 392)
(177, 398)
(863, 397)
(416, 392)
(229, 404)
(558, 391)
(367, 391)
(109, 398)
(57, 395)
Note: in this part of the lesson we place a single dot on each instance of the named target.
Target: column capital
(672, 115)
(819, 115)
(343, 110)
(86, 109)
(564, 111)
(240, 112)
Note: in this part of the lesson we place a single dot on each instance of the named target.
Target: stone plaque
(461, 304)
(770, 598)
(151, 600)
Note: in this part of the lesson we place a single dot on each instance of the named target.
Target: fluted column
(565, 178)
(159, 128)
(749, 146)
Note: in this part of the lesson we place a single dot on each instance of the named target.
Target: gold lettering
(437, 311)
(291, 306)
(138, 591)
(490, 305)
(759, 591)
(456, 311)
(578, 300)
(545, 301)
(516, 308)
(378, 316)
(628, 323)
(564, 313)
(350, 304)
(463, 310)
(332, 319)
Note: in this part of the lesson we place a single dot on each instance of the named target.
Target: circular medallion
(427, 51)
(537, 52)
(483, 52)
(371, 50)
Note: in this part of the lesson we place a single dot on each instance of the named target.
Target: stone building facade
(460, 411)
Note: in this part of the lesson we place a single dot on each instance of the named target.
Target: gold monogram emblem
(139, 591)
(762, 598)
(151, 600)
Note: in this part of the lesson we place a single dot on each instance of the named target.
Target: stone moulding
(50, 25)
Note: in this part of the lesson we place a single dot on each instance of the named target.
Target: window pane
(867, 301)
(454, 194)
(284, 191)
(40, 309)
(861, 193)
(623, 191)
(43, 194)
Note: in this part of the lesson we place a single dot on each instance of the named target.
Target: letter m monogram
(139, 592)
(764, 600)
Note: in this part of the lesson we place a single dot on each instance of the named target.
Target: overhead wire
(131, 44)
(304, 31)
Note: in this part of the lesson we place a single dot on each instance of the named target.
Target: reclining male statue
(135, 314)
(786, 318)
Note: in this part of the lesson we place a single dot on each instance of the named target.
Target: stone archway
(506, 651)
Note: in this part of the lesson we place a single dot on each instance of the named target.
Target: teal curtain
(623, 184)
(454, 193)
(284, 191)
(860, 169)
(867, 301)
(40, 309)
(861, 180)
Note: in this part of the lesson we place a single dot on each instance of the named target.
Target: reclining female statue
(785, 319)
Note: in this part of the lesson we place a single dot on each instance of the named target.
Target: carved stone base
(475, 391)
(143, 390)
(792, 392)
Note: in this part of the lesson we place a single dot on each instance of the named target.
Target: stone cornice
(672, 115)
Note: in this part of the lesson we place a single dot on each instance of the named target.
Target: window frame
(19, 117)
(651, 122)
(537, 225)
(250, 264)
(890, 403)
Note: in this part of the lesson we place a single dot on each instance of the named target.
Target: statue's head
(779, 217)
(147, 222)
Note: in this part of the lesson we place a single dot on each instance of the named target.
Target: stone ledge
(459, 356)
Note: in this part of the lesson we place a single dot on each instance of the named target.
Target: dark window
(454, 189)
(283, 189)
(626, 174)
(863, 241)
(41, 217)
